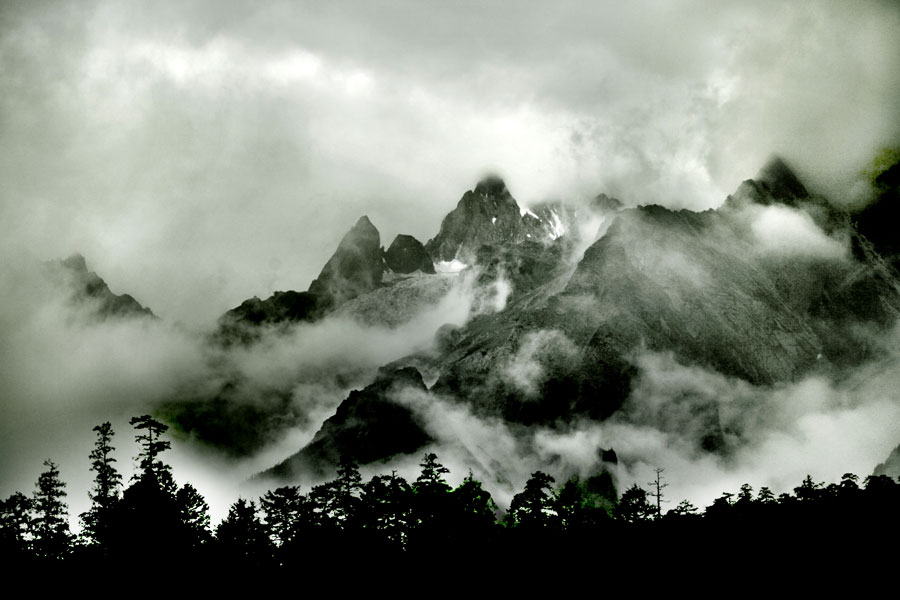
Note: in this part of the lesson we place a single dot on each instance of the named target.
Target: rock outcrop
(488, 215)
(369, 426)
(87, 288)
(356, 267)
(407, 255)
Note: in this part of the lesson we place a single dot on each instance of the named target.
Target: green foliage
(886, 158)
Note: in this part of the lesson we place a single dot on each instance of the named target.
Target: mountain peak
(780, 180)
(775, 183)
(491, 185)
(76, 262)
(86, 285)
(364, 224)
(356, 267)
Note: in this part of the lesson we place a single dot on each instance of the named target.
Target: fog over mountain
(167, 169)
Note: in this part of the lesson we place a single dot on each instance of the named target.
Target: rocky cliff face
(697, 285)
(87, 288)
(368, 426)
(564, 306)
(407, 255)
(356, 267)
(488, 215)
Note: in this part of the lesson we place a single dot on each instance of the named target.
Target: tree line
(153, 519)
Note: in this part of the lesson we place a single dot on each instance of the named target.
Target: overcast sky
(198, 153)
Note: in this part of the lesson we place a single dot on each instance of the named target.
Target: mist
(203, 153)
(219, 148)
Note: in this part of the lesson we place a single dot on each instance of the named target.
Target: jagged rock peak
(76, 262)
(780, 180)
(775, 183)
(87, 286)
(492, 185)
(356, 267)
(406, 255)
(605, 203)
(363, 226)
(485, 215)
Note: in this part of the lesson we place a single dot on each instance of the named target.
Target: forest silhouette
(154, 521)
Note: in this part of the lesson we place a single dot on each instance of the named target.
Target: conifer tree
(242, 537)
(347, 488)
(387, 510)
(107, 481)
(533, 508)
(194, 515)
(283, 508)
(15, 524)
(151, 446)
(473, 507)
(50, 525)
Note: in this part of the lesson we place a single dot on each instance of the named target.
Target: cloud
(222, 148)
(782, 231)
(202, 153)
(539, 350)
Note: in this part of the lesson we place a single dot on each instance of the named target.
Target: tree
(107, 481)
(684, 509)
(151, 447)
(431, 493)
(283, 509)
(533, 508)
(15, 524)
(658, 485)
(634, 506)
(50, 524)
(347, 488)
(387, 511)
(765, 496)
(194, 513)
(808, 490)
(241, 536)
(431, 479)
(474, 507)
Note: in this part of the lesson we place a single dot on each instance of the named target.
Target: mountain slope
(708, 287)
(88, 289)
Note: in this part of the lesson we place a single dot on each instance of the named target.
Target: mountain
(891, 465)
(407, 255)
(357, 268)
(703, 286)
(369, 426)
(488, 215)
(88, 289)
(877, 222)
